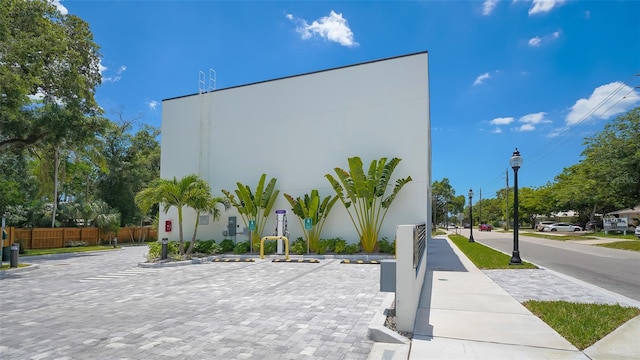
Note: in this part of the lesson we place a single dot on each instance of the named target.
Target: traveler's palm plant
(254, 207)
(363, 195)
(311, 207)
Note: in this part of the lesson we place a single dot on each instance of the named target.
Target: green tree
(204, 203)
(132, 161)
(189, 191)
(366, 193)
(254, 206)
(310, 206)
(442, 195)
(17, 185)
(48, 75)
(613, 158)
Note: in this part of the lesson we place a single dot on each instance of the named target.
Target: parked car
(593, 225)
(542, 224)
(561, 227)
(485, 227)
(637, 232)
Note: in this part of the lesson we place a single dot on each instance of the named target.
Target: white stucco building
(299, 128)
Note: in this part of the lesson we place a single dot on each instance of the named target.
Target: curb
(380, 333)
(388, 344)
(12, 271)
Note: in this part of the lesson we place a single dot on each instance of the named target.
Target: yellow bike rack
(286, 245)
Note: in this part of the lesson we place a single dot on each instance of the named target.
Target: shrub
(331, 245)
(227, 245)
(155, 250)
(241, 248)
(72, 244)
(321, 247)
(340, 246)
(299, 246)
(270, 247)
(206, 247)
(352, 249)
(384, 246)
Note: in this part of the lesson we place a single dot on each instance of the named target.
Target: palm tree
(201, 205)
(189, 191)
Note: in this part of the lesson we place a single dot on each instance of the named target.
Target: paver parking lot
(103, 306)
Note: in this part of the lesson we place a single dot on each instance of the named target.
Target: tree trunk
(56, 165)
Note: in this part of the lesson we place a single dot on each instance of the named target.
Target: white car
(561, 227)
(637, 232)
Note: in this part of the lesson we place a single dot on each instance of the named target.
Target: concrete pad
(470, 292)
(384, 351)
(455, 349)
(621, 344)
(514, 329)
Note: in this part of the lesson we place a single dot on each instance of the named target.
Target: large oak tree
(48, 75)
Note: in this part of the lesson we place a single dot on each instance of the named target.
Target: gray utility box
(388, 275)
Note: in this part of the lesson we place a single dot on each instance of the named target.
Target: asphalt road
(611, 269)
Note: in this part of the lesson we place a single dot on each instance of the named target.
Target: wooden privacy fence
(48, 238)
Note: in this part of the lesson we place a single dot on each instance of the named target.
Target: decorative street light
(471, 215)
(515, 162)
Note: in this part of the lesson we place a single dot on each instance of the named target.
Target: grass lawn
(34, 252)
(7, 265)
(484, 257)
(581, 324)
(561, 237)
(633, 245)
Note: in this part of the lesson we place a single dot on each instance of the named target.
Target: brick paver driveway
(101, 305)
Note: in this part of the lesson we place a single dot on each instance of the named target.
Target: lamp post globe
(471, 215)
(516, 163)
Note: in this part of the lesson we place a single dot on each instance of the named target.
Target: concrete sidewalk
(464, 314)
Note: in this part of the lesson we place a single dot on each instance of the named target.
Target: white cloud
(488, 6)
(535, 42)
(543, 6)
(152, 104)
(497, 131)
(502, 121)
(535, 118)
(333, 28)
(531, 120)
(481, 78)
(525, 127)
(116, 78)
(63, 10)
(101, 68)
(557, 132)
(605, 101)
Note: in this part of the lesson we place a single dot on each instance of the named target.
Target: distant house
(632, 215)
(297, 129)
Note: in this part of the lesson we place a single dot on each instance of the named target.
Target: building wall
(297, 129)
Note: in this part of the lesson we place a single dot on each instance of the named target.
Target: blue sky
(536, 75)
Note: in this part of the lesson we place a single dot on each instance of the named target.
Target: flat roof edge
(304, 74)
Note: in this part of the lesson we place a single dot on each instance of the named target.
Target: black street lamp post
(515, 162)
(471, 215)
